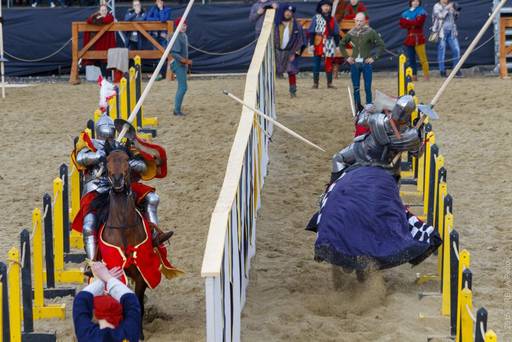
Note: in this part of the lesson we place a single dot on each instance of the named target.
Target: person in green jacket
(364, 40)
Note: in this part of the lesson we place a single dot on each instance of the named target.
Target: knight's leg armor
(152, 200)
(89, 236)
(151, 206)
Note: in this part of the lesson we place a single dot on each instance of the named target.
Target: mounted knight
(147, 161)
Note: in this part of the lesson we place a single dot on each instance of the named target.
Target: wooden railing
(505, 51)
(140, 26)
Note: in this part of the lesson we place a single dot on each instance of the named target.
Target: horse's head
(118, 170)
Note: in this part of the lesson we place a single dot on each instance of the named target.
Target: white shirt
(286, 35)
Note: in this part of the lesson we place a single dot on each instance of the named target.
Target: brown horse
(123, 225)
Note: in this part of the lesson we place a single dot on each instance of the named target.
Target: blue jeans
(453, 42)
(356, 70)
(181, 76)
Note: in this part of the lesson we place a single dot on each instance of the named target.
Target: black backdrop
(32, 34)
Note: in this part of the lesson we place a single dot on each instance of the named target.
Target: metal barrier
(232, 234)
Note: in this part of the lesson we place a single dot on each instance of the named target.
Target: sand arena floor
(291, 297)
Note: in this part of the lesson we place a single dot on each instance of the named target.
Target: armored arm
(137, 165)
(343, 159)
(87, 157)
(409, 141)
(380, 127)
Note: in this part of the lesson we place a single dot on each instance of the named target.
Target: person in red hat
(115, 316)
(180, 65)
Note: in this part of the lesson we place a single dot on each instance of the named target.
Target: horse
(123, 226)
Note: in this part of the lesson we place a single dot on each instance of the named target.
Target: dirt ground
(291, 297)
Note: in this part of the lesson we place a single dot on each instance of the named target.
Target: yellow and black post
(40, 310)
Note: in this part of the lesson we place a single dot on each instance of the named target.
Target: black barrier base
(74, 258)
(60, 292)
(38, 337)
(148, 130)
(408, 181)
(406, 166)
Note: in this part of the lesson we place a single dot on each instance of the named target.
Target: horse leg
(140, 288)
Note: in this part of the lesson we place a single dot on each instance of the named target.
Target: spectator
(290, 42)
(162, 13)
(353, 8)
(443, 19)
(324, 36)
(106, 41)
(118, 314)
(180, 66)
(364, 39)
(413, 20)
(136, 13)
(257, 13)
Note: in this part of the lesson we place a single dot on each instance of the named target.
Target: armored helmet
(403, 109)
(105, 128)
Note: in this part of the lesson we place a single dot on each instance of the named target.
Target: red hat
(178, 20)
(109, 309)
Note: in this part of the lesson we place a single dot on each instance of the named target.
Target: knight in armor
(362, 223)
(89, 156)
(386, 135)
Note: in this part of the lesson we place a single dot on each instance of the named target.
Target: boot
(293, 91)
(316, 78)
(329, 81)
(159, 236)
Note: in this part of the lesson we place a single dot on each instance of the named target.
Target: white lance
(283, 127)
(163, 60)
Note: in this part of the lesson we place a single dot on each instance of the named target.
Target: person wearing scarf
(324, 35)
(289, 40)
(364, 40)
(106, 41)
(353, 8)
(115, 316)
(413, 20)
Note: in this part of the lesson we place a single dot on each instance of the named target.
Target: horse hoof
(362, 276)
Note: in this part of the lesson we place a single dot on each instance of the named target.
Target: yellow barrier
(61, 275)
(132, 81)
(40, 310)
(490, 336)
(446, 294)
(439, 222)
(464, 261)
(123, 99)
(13, 277)
(401, 75)
(466, 320)
(75, 238)
(97, 114)
(439, 163)
(431, 140)
(112, 107)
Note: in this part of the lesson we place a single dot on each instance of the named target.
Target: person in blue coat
(162, 13)
(136, 13)
(118, 314)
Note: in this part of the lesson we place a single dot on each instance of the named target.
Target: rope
(482, 330)
(213, 53)
(455, 250)
(394, 54)
(39, 59)
(470, 313)
(23, 250)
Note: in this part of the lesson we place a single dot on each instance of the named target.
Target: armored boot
(329, 80)
(158, 236)
(293, 90)
(316, 78)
